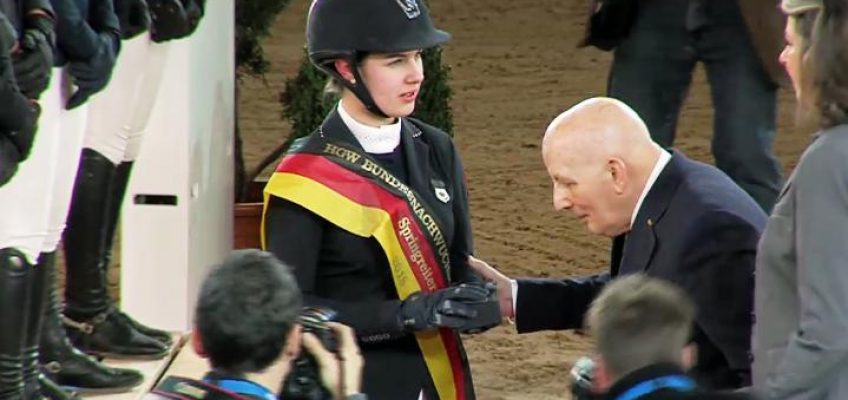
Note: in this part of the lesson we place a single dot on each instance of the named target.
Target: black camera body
(304, 380)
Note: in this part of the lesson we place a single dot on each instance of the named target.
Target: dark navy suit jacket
(695, 228)
(78, 24)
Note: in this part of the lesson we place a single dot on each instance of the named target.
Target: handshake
(468, 308)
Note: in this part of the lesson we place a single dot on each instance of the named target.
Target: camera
(304, 380)
(582, 374)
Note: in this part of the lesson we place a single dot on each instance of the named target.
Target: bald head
(598, 127)
(599, 155)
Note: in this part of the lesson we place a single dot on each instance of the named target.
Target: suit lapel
(417, 157)
(638, 249)
(617, 253)
(785, 188)
(642, 239)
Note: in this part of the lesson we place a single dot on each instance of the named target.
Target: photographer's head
(247, 313)
(638, 321)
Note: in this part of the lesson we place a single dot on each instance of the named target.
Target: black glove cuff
(23, 139)
(488, 316)
(134, 17)
(9, 159)
(43, 22)
(8, 36)
(411, 317)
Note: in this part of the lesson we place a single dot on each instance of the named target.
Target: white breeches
(118, 115)
(27, 199)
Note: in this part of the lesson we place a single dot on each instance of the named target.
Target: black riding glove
(18, 116)
(92, 75)
(134, 16)
(174, 19)
(194, 11)
(33, 64)
(9, 159)
(8, 37)
(488, 311)
(169, 20)
(444, 308)
(23, 138)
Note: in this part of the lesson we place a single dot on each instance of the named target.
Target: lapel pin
(442, 195)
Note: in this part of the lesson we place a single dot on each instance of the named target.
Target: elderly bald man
(672, 217)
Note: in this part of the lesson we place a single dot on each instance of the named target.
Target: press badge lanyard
(677, 382)
(244, 387)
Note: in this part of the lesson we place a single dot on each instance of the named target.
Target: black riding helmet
(347, 29)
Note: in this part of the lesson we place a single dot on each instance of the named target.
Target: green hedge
(253, 23)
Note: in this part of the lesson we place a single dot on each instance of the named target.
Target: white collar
(373, 139)
(665, 157)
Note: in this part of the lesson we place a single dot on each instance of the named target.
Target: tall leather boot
(93, 323)
(66, 365)
(116, 200)
(15, 273)
(36, 385)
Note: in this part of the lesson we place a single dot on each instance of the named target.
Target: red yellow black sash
(349, 189)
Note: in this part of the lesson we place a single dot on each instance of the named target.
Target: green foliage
(304, 102)
(433, 104)
(253, 23)
(306, 105)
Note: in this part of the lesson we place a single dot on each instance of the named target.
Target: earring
(353, 81)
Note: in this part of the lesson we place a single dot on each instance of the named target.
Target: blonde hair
(333, 88)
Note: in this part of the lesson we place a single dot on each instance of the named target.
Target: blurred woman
(800, 343)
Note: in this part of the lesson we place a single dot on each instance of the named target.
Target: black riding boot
(15, 273)
(93, 323)
(65, 364)
(119, 189)
(36, 384)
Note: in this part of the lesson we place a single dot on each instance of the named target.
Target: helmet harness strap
(358, 87)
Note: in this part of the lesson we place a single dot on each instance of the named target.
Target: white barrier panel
(177, 216)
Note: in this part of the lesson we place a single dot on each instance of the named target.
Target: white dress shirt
(373, 139)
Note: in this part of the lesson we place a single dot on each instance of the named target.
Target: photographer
(246, 324)
(642, 327)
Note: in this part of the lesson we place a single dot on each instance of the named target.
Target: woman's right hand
(451, 307)
(341, 373)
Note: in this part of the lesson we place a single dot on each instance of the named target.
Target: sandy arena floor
(515, 66)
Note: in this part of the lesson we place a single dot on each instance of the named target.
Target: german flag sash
(348, 188)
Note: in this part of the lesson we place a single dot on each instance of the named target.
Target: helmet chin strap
(361, 92)
(358, 87)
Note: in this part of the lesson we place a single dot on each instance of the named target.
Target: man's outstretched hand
(503, 282)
